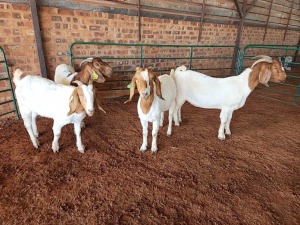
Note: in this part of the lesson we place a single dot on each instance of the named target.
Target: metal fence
(288, 91)
(8, 103)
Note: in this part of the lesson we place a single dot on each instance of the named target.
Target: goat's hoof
(169, 134)
(153, 150)
(228, 133)
(81, 151)
(221, 138)
(36, 144)
(36, 135)
(143, 148)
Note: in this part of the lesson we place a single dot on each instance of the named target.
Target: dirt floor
(253, 177)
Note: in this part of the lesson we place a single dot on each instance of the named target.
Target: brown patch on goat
(138, 80)
(263, 72)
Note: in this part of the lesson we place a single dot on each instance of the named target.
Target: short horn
(262, 58)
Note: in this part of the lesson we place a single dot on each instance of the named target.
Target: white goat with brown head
(157, 94)
(227, 94)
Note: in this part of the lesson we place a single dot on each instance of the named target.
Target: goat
(157, 94)
(64, 104)
(227, 94)
(92, 70)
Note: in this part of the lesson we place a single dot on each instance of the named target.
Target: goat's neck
(83, 76)
(147, 103)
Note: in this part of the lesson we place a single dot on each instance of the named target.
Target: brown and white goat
(227, 94)
(157, 94)
(91, 70)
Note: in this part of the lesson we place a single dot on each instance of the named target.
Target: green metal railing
(7, 89)
(161, 57)
(281, 51)
(143, 55)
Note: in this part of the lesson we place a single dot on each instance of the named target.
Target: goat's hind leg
(28, 123)
(227, 126)
(34, 127)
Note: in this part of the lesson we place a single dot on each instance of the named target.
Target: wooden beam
(239, 9)
(285, 31)
(38, 39)
(139, 18)
(201, 21)
(266, 26)
(250, 7)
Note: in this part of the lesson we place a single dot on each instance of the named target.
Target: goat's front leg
(77, 128)
(223, 118)
(56, 133)
(27, 119)
(155, 128)
(161, 122)
(227, 126)
(145, 134)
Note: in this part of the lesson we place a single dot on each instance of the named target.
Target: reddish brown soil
(253, 177)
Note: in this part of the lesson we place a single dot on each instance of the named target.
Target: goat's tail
(17, 76)
(172, 73)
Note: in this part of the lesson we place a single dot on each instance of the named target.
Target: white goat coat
(47, 99)
(64, 74)
(168, 90)
(155, 114)
(213, 93)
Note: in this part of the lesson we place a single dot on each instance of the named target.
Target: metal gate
(7, 96)
(287, 92)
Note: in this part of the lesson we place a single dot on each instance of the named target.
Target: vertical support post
(38, 38)
(139, 18)
(201, 22)
(285, 31)
(141, 57)
(238, 36)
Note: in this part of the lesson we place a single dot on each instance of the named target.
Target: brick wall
(60, 27)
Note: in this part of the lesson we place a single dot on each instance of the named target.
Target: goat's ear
(158, 87)
(265, 74)
(132, 88)
(73, 102)
(136, 69)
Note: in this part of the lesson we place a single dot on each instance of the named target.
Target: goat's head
(145, 80)
(267, 69)
(82, 99)
(94, 69)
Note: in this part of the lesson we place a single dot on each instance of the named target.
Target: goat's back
(210, 92)
(43, 96)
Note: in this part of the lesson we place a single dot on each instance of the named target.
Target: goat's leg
(77, 129)
(171, 115)
(161, 122)
(223, 118)
(155, 128)
(177, 111)
(145, 134)
(27, 118)
(56, 133)
(227, 126)
(34, 127)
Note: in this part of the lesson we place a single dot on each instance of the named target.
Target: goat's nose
(145, 94)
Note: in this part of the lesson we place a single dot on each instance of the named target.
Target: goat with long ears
(156, 95)
(91, 70)
(227, 94)
(64, 104)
